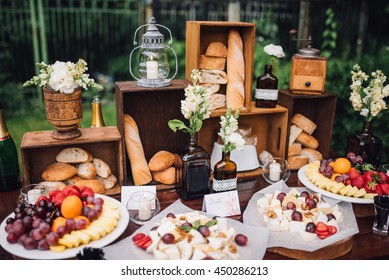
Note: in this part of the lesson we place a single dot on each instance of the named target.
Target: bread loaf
(307, 140)
(95, 185)
(167, 176)
(218, 101)
(295, 131)
(235, 71)
(304, 123)
(294, 149)
(213, 76)
(108, 182)
(102, 168)
(58, 171)
(86, 170)
(161, 161)
(296, 162)
(312, 154)
(212, 88)
(72, 180)
(73, 155)
(212, 63)
(139, 167)
(216, 49)
(52, 185)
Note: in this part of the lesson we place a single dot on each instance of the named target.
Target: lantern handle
(129, 62)
(144, 25)
(176, 62)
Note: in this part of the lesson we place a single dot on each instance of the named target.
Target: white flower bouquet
(196, 107)
(368, 100)
(274, 52)
(228, 127)
(64, 77)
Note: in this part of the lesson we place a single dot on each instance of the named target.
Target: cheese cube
(167, 227)
(173, 253)
(324, 207)
(321, 218)
(195, 237)
(284, 225)
(158, 255)
(215, 243)
(198, 254)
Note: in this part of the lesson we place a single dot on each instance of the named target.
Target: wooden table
(366, 245)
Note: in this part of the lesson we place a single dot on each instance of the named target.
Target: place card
(222, 204)
(127, 191)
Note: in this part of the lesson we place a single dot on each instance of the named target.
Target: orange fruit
(334, 175)
(82, 218)
(332, 164)
(59, 221)
(71, 206)
(342, 165)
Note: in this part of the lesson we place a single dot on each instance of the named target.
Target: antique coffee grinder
(308, 74)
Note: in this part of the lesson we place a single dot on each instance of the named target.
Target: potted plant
(62, 84)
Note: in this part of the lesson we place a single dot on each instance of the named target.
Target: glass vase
(366, 145)
(194, 171)
(224, 174)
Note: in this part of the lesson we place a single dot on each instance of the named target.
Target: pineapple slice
(360, 193)
(85, 238)
(352, 191)
(57, 248)
(345, 190)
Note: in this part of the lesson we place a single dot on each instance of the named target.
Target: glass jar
(266, 92)
(224, 174)
(366, 145)
(194, 171)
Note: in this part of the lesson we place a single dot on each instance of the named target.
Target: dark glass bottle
(366, 145)
(224, 174)
(9, 166)
(97, 114)
(266, 92)
(195, 171)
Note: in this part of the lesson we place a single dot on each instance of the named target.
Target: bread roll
(53, 185)
(102, 168)
(213, 77)
(161, 161)
(58, 171)
(216, 49)
(95, 185)
(139, 168)
(308, 140)
(294, 149)
(304, 123)
(72, 180)
(166, 177)
(212, 63)
(73, 155)
(218, 101)
(235, 71)
(296, 162)
(295, 131)
(86, 170)
(312, 154)
(108, 182)
(213, 88)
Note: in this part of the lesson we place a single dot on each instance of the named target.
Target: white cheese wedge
(173, 253)
(166, 227)
(198, 254)
(321, 218)
(223, 224)
(274, 204)
(230, 236)
(284, 225)
(294, 192)
(307, 236)
(295, 226)
(269, 197)
(158, 255)
(274, 225)
(215, 243)
(186, 252)
(338, 215)
(196, 237)
(163, 246)
(216, 255)
(152, 247)
(288, 214)
(279, 213)
(324, 207)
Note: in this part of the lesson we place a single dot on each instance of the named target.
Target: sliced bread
(102, 168)
(295, 131)
(312, 154)
(73, 155)
(108, 182)
(304, 123)
(86, 170)
(296, 162)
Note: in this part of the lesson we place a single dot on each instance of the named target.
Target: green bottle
(9, 166)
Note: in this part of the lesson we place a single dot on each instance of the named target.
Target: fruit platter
(300, 219)
(182, 233)
(60, 225)
(346, 179)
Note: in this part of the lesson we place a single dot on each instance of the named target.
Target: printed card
(222, 204)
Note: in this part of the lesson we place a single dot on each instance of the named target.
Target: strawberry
(144, 242)
(147, 244)
(140, 240)
(358, 182)
(384, 178)
(70, 191)
(58, 198)
(370, 187)
(138, 236)
(379, 190)
(385, 188)
(322, 236)
(42, 197)
(321, 227)
(53, 193)
(85, 192)
(353, 173)
(332, 230)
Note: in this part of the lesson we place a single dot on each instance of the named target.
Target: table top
(365, 244)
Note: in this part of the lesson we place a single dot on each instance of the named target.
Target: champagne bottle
(9, 166)
(97, 114)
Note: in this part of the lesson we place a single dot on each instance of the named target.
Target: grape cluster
(325, 168)
(354, 159)
(31, 225)
(92, 213)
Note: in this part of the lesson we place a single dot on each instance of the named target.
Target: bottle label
(266, 94)
(224, 185)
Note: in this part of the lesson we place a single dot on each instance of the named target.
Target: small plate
(18, 250)
(304, 179)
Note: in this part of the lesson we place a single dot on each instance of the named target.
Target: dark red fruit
(297, 216)
(310, 227)
(281, 196)
(241, 239)
(291, 205)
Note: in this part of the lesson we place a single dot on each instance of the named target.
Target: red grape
(37, 234)
(187, 224)
(45, 227)
(204, 230)
(29, 243)
(81, 224)
(12, 237)
(90, 200)
(339, 179)
(304, 194)
(291, 205)
(310, 202)
(330, 217)
(85, 211)
(241, 239)
(18, 229)
(92, 215)
(61, 231)
(171, 215)
(99, 201)
(52, 239)
(42, 244)
(311, 227)
(71, 224)
(98, 208)
(168, 238)
(281, 196)
(358, 160)
(9, 228)
(36, 222)
(297, 216)
(22, 237)
(10, 220)
(27, 222)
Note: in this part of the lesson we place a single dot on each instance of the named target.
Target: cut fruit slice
(337, 187)
(369, 195)
(57, 248)
(353, 191)
(345, 190)
(360, 193)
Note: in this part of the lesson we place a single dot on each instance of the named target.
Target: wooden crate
(319, 108)
(199, 34)
(151, 109)
(39, 149)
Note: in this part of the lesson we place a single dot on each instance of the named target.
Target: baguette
(235, 71)
(73, 155)
(139, 168)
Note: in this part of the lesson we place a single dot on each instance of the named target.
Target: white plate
(304, 179)
(18, 250)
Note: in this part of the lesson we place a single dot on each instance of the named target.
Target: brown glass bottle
(224, 174)
(266, 92)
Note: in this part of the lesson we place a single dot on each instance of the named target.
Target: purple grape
(10, 220)
(30, 243)
(297, 216)
(322, 169)
(291, 205)
(37, 234)
(45, 227)
(52, 239)
(71, 224)
(9, 228)
(281, 196)
(41, 212)
(99, 201)
(358, 160)
(323, 162)
(187, 224)
(241, 239)
(90, 200)
(42, 244)
(18, 229)
(98, 208)
(36, 223)
(345, 176)
(21, 238)
(170, 215)
(27, 222)
(42, 203)
(81, 224)
(168, 238)
(330, 160)
(19, 216)
(204, 230)
(310, 227)
(12, 238)
(92, 215)
(351, 157)
(304, 194)
(85, 211)
(61, 231)
(310, 203)
(339, 179)
(330, 217)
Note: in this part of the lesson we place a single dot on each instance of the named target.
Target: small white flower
(274, 50)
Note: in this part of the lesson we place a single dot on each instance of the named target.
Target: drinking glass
(31, 192)
(381, 221)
